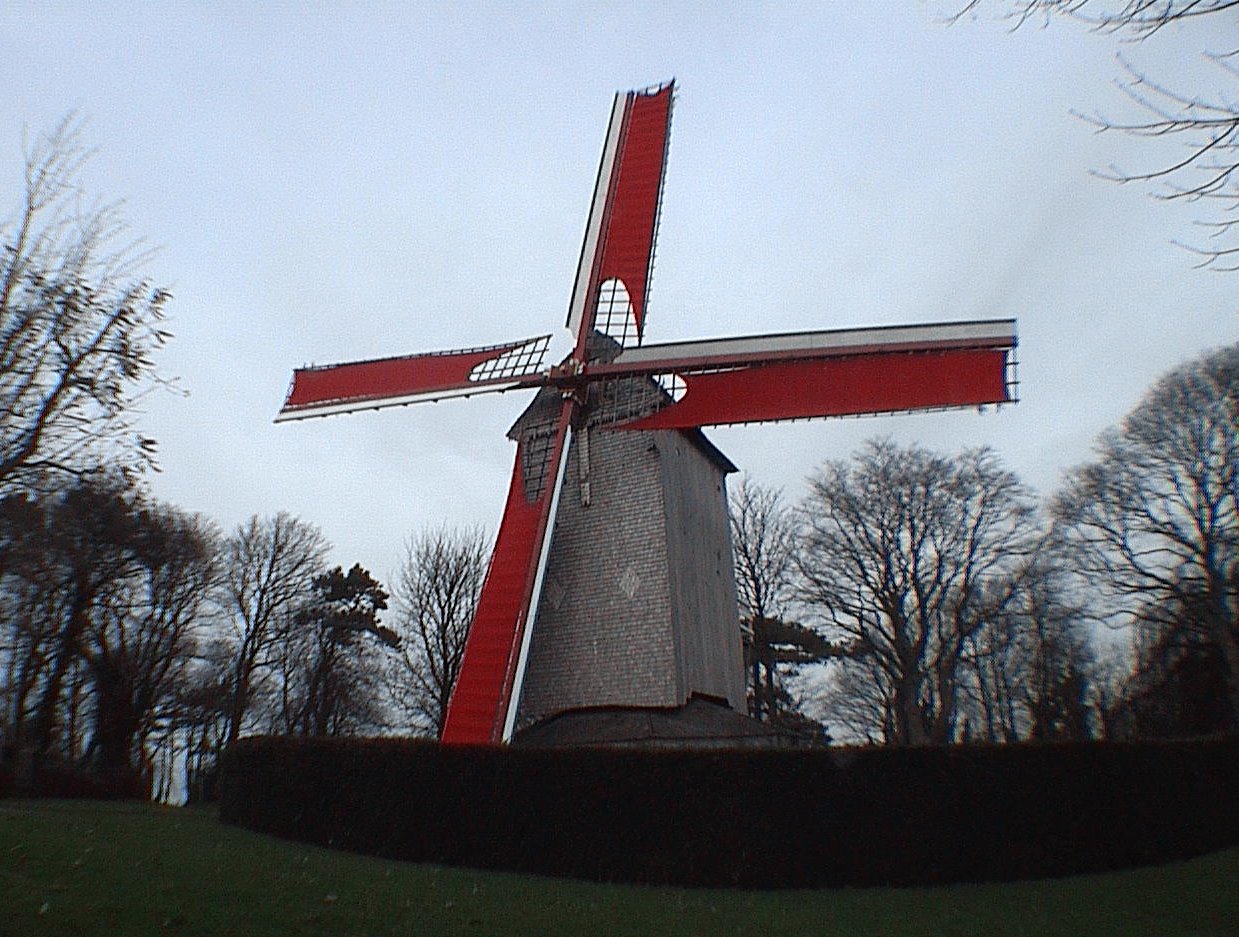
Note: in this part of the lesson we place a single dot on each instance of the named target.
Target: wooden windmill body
(610, 584)
(638, 603)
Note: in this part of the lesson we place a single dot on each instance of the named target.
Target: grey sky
(337, 181)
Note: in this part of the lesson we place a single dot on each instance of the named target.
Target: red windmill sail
(682, 385)
(619, 246)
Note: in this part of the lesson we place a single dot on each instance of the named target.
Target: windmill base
(700, 723)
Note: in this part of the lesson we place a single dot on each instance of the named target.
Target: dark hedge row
(73, 783)
(764, 819)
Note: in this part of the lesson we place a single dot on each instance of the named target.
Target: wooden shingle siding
(639, 603)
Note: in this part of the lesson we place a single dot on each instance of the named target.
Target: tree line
(935, 599)
(910, 598)
(135, 639)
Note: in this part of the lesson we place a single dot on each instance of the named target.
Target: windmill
(612, 385)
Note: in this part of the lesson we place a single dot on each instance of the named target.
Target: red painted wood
(388, 377)
(479, 702)
(871, 383)
(474, 711)
(627, 241)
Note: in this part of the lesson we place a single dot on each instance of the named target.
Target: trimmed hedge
(54, 781)
(751, 819)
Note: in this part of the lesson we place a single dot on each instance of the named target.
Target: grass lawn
(76, 868)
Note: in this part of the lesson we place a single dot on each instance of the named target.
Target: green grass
(129, 869)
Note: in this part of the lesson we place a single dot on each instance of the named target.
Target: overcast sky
(334, 181)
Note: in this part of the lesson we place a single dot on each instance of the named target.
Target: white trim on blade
(352, 406)
(518, 681)
(597, 209)
(996, 330)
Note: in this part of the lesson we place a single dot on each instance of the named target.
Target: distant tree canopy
(907, 556)
(102, 595)
(955, 609)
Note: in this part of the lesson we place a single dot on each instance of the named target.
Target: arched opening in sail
(673, 384)
(614, 317)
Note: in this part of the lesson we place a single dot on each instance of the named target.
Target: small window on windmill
(614, 317)
(536, 460)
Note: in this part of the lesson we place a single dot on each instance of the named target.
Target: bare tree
(1206, 123)
(902, 557)
(1032, 663)
(858, 700)
(77, 330)
(1153, 522)
(763, 536)
(30, 613)
(269, 565)
(763, 541)
(63, 553)
(101, 591)
(436, 594)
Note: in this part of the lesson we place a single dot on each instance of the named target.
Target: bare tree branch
(78, 331)
(436, 594)
(1208, 127)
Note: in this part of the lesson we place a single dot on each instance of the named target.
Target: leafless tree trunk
(141, 637)
(31, 613)
(269, 564)
(69, 549)
(436, 593)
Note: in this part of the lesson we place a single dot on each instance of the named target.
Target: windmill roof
(614, 403)
(544, 410)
